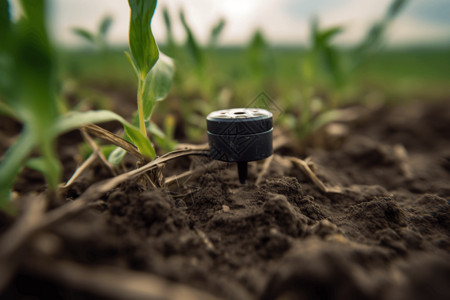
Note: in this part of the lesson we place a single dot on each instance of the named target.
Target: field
(98, 203)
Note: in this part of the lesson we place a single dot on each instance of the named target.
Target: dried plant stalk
(313, 177)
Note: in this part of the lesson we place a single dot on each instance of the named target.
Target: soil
(386, 235)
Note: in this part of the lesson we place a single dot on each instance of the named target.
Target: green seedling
(374, 38)
(259, 55)
(324, 60)
(325, 56)
(164, 139)
(194, 49)
(28, 90)
(153, 69)
(200, 56)
(261, 63)
(216, 31)
(97, 39)
(170, 42)
(193, 78)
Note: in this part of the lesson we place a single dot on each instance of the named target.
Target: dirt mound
(384, 234)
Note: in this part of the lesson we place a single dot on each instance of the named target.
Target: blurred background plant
(332, 72)
(97, 39)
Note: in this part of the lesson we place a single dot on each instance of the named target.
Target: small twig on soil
(313, 177)
(16, 236)
(192, 147)
(97, 151)
(114, 139)
(113, 282)
(401, 156)
(265, 169)
(80, 170)
(205, 239)
(95, 154)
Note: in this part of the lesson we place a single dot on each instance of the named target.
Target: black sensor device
(240, 135)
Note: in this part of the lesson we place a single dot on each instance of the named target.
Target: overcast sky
(282, 21)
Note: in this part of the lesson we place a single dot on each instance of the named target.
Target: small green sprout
(170, 41)
(216, 31)
(97, 39)
(260, 57)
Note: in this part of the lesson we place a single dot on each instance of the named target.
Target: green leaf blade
(132, 63)
(105, 24)
(215, 32)
(76, 120)
(12, 163)
(157, 84)
(142, 42)
(116, 156)
(83, 33)
(193, 47)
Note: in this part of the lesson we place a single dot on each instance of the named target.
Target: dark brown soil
(386, 236)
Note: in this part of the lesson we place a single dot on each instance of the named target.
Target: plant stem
(141, 106)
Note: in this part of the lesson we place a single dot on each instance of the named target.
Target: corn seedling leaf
(37, 164)
(169, 125)
(157, 84)
(395, 8)
(325, 118)
(88, 36)
(158, 135)
(6, 110)
(167, 21)
(323, 53)
(259, 56)
(75, 120)
(4, 16)
(142, 43)
(155, 130)
(168, 24)
(163, 139)
(216, 31)
(5, 33)
(116, 156)
(374, 38)
(169, 130)
(104, 26)
(192, 44)
(131, 61)
(333, 64)
(107, 149)
(12, 163)
(326, 35)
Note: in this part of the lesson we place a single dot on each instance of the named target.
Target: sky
(282, 21)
